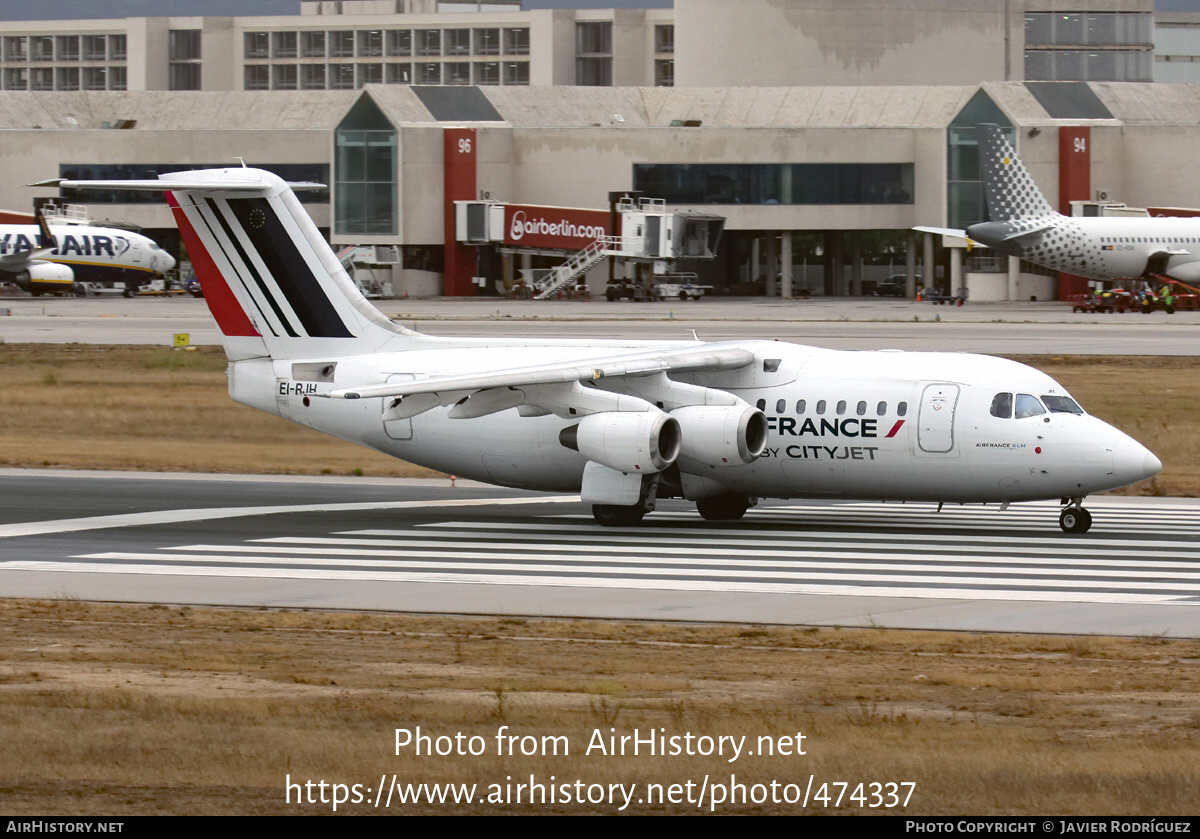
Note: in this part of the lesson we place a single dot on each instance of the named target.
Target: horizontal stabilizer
(942, 231)
(1028, 234)
(168, 183)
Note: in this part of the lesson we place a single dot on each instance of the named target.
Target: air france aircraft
(44, 259)
(1023, 224)
(623, 422)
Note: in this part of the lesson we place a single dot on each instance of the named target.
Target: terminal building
(820, 132)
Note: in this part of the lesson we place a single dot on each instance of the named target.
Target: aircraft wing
(685, 359)
(23, 259)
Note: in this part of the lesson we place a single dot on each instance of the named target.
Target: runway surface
(837, 323)
(426, 547)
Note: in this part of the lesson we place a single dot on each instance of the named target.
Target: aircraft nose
(168, 261)
(1151, 465)
(1133, 462)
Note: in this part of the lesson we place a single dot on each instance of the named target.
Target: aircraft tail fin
(48, 238)
(270, 279)
(1011, 191)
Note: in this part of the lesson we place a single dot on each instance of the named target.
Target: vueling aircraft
(1023, 224)
(45, 259)
(623, 422)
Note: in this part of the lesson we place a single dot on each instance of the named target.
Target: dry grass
(128, 709)
(156, 409)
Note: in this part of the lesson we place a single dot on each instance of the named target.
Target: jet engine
(721, 435)
(44, 272)
(628, 441)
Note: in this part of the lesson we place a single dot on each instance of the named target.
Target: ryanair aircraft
(623, 422)
(45, 259)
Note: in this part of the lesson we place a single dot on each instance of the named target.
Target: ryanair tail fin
(271, 281)
(1011, 192)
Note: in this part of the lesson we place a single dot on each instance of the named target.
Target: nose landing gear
(1074, 518)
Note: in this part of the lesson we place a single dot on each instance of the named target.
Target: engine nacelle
(628, 441)
(45, 272)
(721, 435)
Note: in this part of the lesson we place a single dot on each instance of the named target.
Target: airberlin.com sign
(553, 227)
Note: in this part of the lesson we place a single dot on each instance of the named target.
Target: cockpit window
(1028, 406)
(1062, 405)
(1002, 406)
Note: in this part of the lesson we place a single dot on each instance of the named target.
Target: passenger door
(935, 423)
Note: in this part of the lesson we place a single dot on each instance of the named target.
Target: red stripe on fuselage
(895, 428)
(230, 316)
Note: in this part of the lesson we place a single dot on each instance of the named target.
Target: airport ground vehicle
(895, 285)
(678, 286)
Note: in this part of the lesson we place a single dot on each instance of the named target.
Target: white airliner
(1023, 224)
(623, 422)
(51, 259)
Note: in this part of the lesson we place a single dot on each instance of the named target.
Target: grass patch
(137, 709)
(155, 409)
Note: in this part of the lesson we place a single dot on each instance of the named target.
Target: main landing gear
(1073, 518)
(718, 508)
(618, 515)
(724, 507)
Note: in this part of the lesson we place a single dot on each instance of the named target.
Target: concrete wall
(1156, 166)
(992, 288)
(421, 185)
(217, 54)
(147, 47)
(546, 168)
(835, 42)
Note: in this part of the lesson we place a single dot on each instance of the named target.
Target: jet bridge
(639, 230)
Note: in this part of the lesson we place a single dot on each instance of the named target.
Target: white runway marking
(1136, 553)
(39, 528)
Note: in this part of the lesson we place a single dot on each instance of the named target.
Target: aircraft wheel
(1075, 520)
(128, 292)
(618, 515)
(723, 507)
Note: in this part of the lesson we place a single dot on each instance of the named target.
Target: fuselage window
(800, 406)
(1028, 406)
(861, 409)
(841, 407)
(1002, 406)
(902, 409)
(780, 406)
(821, 407)
(1062, 405)
(762, 405)
(881, 409)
